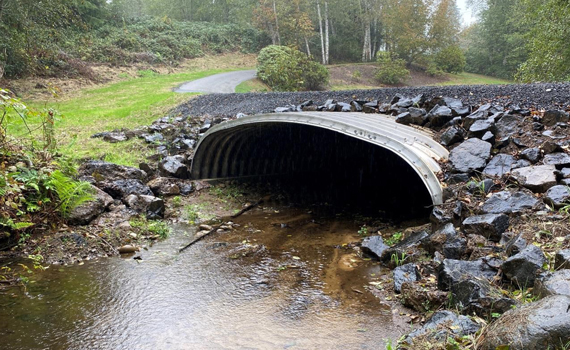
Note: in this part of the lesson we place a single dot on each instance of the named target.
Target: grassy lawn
(126, 104)
(253, 85)
(472, 79)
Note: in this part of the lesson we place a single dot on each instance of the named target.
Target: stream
(282, 278)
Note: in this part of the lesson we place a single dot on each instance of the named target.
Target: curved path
(217, 83)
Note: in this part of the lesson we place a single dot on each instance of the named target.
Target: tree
(444, 25)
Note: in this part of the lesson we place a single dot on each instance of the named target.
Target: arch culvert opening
(312, 165)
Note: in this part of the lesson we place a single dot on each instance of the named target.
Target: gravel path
(539, 96)
(218, 83)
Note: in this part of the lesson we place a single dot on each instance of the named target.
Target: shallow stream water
(281, 279)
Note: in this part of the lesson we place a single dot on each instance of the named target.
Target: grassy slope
(472, 79)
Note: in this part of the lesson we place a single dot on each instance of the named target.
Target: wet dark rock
(151, 206)
(172, 166)
(473, 117)
(452, 271)
(456, 106)
(562, 259)
(454, 248)
(405, 273)
(490, 226)
(437, 240)
(522, 268)
(509, 202)
(560, 160)
(404, 118)
(441, 325)
(550, 147)
(482, 126)
(557, 196)
(478, 296)
(122, 188)
(355, 106)
(499, 165)
(552, 283)
(439, 115)
(186, 187)
(374, 246)
(162, 186)
(440, 217)
(519, 142)
(536, 325)
(403, 103)
(470, 155)
(114, 137)
(416, 296)
(87, 211)
(551, 117)
(531, 154)
(104, 171)
(507, 125)
(370, 107)
(515, 245)
(408, 248)
(565, 172)
(488, 137)
(153, 138)
(537, 178)
(452, 135)
(419, 100)
(453, 179)
(396, 98)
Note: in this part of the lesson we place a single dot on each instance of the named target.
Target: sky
(466, 14)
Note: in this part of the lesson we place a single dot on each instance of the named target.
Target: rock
(515, 245)
(552, 283)
(509, 202)
(562, 259)
(531, 154)
(560, 160)
(488, 137)
(408, 249)
(127, 249)
(454, 248)
(557, 196)
(374, 246)
(470, 155)
(418, 115)
(507, 125)
(453, 271)
(452, 135)
(490, 226)
(473, 117)
(403, 103)
(404, 118)
(153, 138)
(436, 241)
(456, 106)
(104, 171)
(172, 166)
(536, 325)
(419, 100)
(204, 227)
(499, 165)
(416, 296)
(481, 126)
(537, 178)
(151, 206)
(550, 147)
(522, 268)
(478, 296)
(87, 211)
(565, 172)
(439, 115)
(122, 188)
(551, 117)
(186, 187)
(440, 217)
(162, 186)
(453, 179)
(114, 137)
(355, 106)
(370, 107)
(440, 326)
(405, 273)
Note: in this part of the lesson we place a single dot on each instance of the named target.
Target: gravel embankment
(539, 96)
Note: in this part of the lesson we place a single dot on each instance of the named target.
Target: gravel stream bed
(538, 96)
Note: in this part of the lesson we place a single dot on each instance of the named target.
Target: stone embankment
(498, 248)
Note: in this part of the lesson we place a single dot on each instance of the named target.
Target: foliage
(395, 238)
(70, 193)
(363, 231)
(391, 70)
(288, 69)
(155, 227)
(451, 59)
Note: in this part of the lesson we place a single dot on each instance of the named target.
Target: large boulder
(104, 171)
(87, 211)
(151, 206)
(522, 268)
(162, 186)
(537, 325)
(452, 271)
(439, 115)
(122, 188)
(470, 155)
(374, 246)
(452, 135)
(505, 202)
(408, 249)
(537, 178)
(479, 296)
(490, 226)
(440, 326)
(507, 125)
(173, 166)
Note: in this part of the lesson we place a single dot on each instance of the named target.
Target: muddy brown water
(281, 279)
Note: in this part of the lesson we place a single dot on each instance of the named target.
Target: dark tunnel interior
(316, 165)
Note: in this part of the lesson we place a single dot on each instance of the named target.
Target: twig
(248, 208)
(199, 238)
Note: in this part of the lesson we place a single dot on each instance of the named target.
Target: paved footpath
(217, 83)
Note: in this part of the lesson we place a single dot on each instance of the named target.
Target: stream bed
(280, 279)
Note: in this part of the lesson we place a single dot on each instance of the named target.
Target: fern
(71, 193)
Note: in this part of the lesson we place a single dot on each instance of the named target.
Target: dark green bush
(391, 70)
(287, 69)
(451, 59)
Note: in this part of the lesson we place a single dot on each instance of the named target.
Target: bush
(451, 59)
(391, 70)
(287, 69)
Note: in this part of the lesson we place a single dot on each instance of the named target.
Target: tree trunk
(326, 32)
(276, 24)
(324, 61)
(366, 50)
(307, 46)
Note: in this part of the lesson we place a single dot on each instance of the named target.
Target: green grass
(126, 104)
(253, 85)
(472, 79)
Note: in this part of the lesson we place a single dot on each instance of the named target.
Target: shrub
(391, 70)
(451, 59)
(287, 69)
